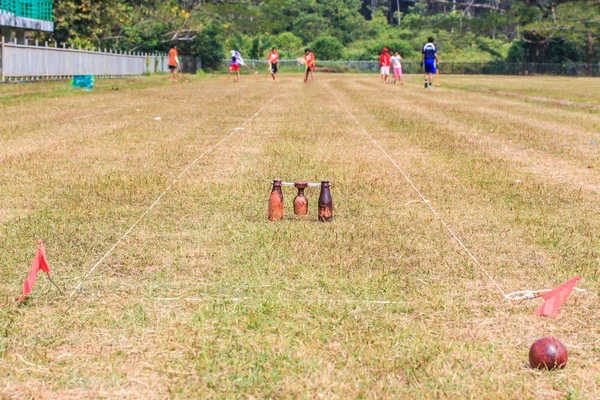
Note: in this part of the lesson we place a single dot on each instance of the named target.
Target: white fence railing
(32, 62)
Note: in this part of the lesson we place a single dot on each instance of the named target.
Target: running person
(384, 64)
(240, 61)
(396, 61)
(173, 63)
(429, 58)
(273, 59)
(309, 57)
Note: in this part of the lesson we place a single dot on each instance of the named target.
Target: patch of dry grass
(580, 90)
(285, 309)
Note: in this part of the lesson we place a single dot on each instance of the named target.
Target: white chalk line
(240, 299)
(233, 131)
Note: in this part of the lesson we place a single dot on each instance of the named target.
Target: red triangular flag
(555, 298)
(39, 262)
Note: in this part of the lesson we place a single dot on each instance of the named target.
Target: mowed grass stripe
(470, 170)
(28, 131)
(533, 130)
(565, 134)
(578, 89)
(575, 170)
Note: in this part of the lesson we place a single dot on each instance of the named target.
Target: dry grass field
(205, 298)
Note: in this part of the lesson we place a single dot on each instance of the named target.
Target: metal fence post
(2, 55)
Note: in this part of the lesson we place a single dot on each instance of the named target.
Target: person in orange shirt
(309, 57)
(173, 63)
(273, 58)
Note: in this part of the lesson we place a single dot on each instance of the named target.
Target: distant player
(309, 58)
(273, 59)
(429, 58)
(396, 61)
(173, 63)
(234, 65)
(384, 64)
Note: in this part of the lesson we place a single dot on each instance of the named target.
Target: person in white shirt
(396, 61)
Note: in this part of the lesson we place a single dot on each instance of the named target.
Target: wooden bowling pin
(325, 203)
(276, 201)
(300, 201)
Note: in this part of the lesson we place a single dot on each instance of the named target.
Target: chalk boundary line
(164, 192)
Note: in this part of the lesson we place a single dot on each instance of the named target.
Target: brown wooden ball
(548, 353)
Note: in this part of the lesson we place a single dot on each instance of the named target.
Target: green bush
(494, 47)
(328, 48)
(517, 53)
(372, 51)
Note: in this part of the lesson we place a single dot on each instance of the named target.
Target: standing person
(273, 59)
(429, 58)
(384, 64)
(396, 61)
(309, 58)
(234, 65)
(173, 63)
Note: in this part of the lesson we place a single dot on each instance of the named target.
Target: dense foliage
(465, 30)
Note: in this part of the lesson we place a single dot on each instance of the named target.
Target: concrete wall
(28, 24)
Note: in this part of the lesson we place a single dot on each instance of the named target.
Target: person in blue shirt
(429, 58)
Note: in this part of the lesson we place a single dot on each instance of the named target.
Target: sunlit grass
(206, 298)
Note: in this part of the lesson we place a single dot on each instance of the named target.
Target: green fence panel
(35, 9)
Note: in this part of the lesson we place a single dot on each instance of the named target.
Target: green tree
(260, 45)
(560, 30)
(87, 22)
(526, 30)
(209, 46)
(307, 25)
(288, 45)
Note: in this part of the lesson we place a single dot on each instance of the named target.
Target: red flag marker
(555, 298)
(39, 262)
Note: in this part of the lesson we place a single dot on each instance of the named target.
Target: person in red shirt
(309, 57)
(173, 63)
(273, 58)
(384, 64)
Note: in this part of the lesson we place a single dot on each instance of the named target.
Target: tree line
(540, 31)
